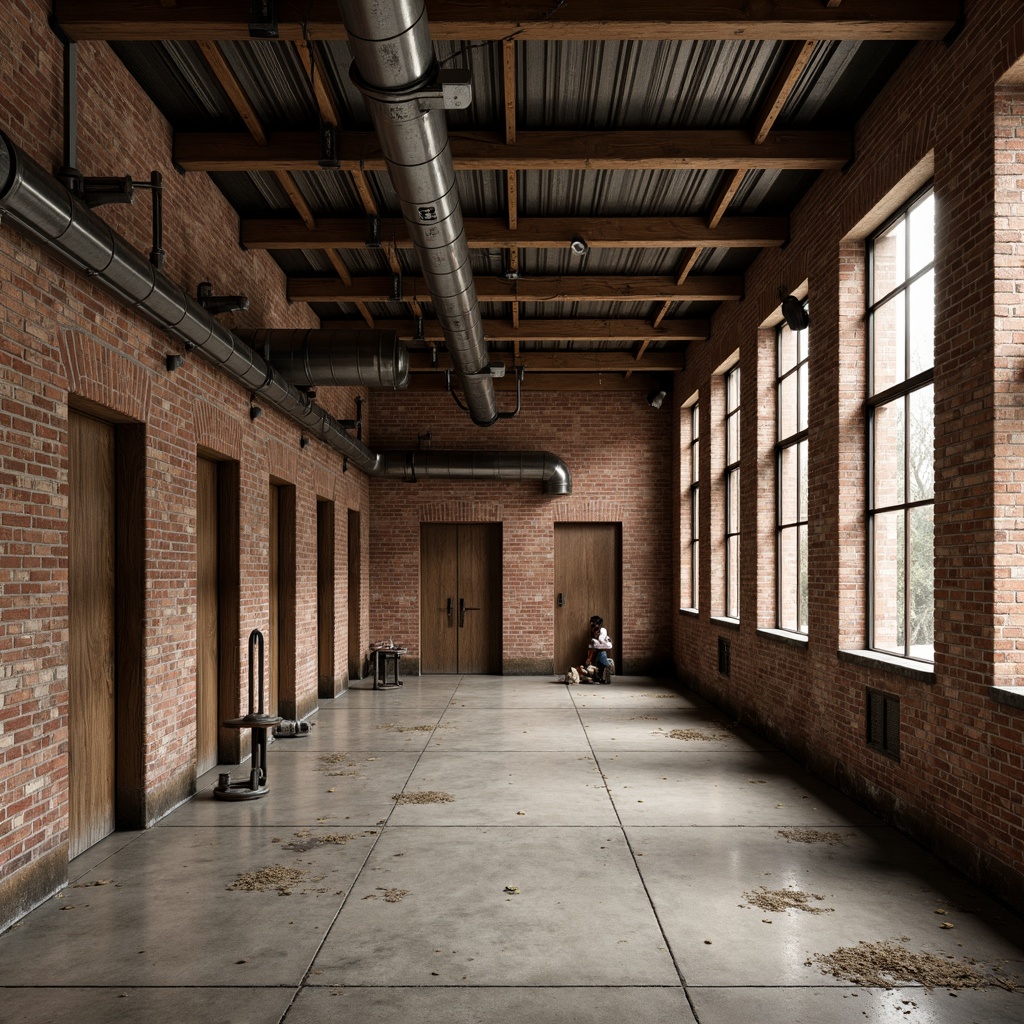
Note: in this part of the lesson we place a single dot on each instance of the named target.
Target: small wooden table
(385, 666)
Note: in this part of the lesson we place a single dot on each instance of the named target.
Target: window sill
(785, 636)
(919, 670)
(1012, 696)
(724, 620)
(694, 612)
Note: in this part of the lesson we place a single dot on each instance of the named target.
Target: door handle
(463, 608)
(449, 612)
(561, 600)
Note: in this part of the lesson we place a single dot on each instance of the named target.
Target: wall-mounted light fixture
(255, 412)
(794, 312)
(174, 362)
(656, 398)
(216, 304)
(303, 441)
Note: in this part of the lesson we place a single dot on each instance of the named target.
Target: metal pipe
(479, 465)
(397, 73)
(41, 207)
(334, 358)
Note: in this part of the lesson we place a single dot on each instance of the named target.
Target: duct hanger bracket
(263, 19)
(448, 89)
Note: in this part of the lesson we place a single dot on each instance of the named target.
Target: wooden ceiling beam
(566, 362)
(532, 233)
(127, 20)
(699, 149)
(570, 288)
(620, 330)
(793, 64)
(545, 382)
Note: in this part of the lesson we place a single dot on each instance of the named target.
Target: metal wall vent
(723, 656)
(883, 723)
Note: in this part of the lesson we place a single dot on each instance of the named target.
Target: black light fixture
(217, 304)
(579, 247)
(174, 362)
(794, 312)
(656, 397)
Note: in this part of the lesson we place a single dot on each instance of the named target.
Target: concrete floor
(590, 866)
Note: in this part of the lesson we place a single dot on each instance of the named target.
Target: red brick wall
(959, 783)
(64, 340)
(619, 453)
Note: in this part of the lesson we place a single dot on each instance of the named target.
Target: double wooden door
(588, 581)
(460, 597)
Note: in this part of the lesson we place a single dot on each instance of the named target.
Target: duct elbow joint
(559, 479)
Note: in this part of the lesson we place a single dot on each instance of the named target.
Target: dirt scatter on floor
(429, 796)
(889, 963)
(786, 899)
(812, 835)
(694, 734)
(277, 876)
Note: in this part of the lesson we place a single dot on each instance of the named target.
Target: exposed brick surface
(63, 340)
(959, 783)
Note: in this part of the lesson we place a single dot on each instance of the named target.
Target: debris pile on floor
(390, 895)
(780, 900)
(277, 876)
(408, 728)
(812, 835)
(695, 734)
(305, 840)
(429, 796)
(889, 964)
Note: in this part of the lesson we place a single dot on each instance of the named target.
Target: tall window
(732, 493)
(691, 499)
(791, 480)
(901, 432)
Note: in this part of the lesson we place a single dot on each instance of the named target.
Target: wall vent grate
(883, 723)
(723, 656)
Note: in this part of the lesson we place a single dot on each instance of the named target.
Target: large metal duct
(514, 466)
(397, 73)
(40, 206)
(335, 358)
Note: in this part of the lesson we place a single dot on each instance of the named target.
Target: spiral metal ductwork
(40, 206)
(513, 466)
(333, 358)
(397, 73)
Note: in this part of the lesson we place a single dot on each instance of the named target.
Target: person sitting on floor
(595, 668)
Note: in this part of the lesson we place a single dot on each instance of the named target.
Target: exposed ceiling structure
(620, 166)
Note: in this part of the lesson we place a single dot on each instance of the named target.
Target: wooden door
(439, 593)
(207, 616)
(92, 708)
(588, 581)
(325, 597)
(272, 682)
(460, 597)
(479, 588)
(355, 583)
(280, 643)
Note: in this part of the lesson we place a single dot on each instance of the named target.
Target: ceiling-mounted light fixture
(656, 397)
(579, 247)
(794, 312)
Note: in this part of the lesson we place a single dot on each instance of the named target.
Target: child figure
(595, 668)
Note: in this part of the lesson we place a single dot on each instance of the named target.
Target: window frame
(782, 444)
(694, 491)
(902, 390)
(732, 491)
